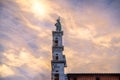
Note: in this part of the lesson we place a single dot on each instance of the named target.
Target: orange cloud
(91, 37)
(6, 71)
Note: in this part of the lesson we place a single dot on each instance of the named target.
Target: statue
(58, 25)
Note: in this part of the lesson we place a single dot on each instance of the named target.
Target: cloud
(6, 71)
(91, 36)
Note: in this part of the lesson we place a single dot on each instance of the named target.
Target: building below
(93, 76)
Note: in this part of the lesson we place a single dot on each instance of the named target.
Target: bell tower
(58, 61)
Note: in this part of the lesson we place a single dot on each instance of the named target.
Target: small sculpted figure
(58, 25)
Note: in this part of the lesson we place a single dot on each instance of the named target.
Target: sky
(91, 37)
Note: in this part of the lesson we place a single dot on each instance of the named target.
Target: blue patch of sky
(3, 36)
(33, 46)
(1, 48)
(75, 2)
(109, 1)
(48, 25)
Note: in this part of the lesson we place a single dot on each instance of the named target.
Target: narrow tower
(58, 59)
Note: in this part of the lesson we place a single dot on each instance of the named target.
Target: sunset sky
(91, 37)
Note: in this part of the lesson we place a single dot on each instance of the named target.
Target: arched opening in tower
(56, 76)
(57, 57)
(56, 42)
